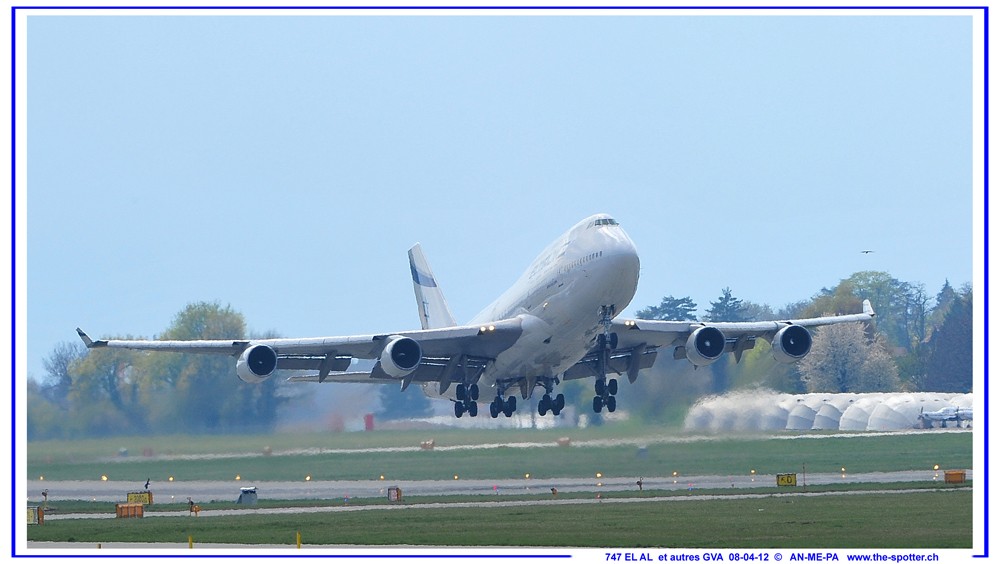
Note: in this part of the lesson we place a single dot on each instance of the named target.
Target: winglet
(88, 341)
(866, 307)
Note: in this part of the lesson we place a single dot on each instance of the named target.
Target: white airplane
(556, 323)
(943, 415)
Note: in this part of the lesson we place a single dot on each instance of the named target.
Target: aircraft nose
(619, 244)
(622, 251)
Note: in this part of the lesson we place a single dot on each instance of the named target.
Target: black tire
(613, 386)
(474, 392)
(494, 411)
(600, 386)
(511, 406)
(473, 409)
(560, 403)
(459, 409)
(598, 404)
(614, 341)
(612, 404)
(460, 392)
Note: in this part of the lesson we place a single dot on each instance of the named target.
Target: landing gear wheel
(613, 386)
(472, 408)
(544, 404)
(459, 409)
(598, 404)
(613, 341)
(510, 406)
(612, 404)
(558, 404)
(460, 392)
(600, 386)
(474, 392)
(494, 409)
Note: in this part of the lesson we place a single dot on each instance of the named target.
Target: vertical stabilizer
(431, 305)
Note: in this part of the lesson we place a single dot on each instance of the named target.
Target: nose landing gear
(607, 342)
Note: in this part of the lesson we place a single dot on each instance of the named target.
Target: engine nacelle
(705, 345)
(256, 364)
(791, 343)
(400, 356)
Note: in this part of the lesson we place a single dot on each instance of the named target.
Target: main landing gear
(499, 405)
(466, 397)
(605, 390)
(548, 403)
(607, 341)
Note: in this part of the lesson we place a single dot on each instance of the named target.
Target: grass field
(888, 520)
(717, 456)
(891, 520)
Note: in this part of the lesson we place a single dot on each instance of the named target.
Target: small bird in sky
(147, 483)
(866, 252)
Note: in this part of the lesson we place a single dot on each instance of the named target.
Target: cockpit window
(607, 221)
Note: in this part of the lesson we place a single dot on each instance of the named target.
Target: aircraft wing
(638, 341)
(442, 352)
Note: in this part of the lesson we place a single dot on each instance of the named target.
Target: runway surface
(339, 491)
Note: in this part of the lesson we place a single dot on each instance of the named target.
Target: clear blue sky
(283, 165)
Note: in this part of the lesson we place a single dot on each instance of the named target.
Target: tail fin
(431, 305)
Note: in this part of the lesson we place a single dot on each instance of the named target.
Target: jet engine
(705, 345)
(256, 364)
(791, 343)
(400, 356)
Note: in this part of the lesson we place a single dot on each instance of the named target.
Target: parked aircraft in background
(556, 323)
(943, 415)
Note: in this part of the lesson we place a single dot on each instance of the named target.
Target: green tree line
(106, 392)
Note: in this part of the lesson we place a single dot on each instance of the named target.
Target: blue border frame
(13, 221)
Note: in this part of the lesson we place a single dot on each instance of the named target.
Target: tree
(727, 308)
(943, 302)
(46, 420)
(206, 394)
(57, 368)
(105, 395)
(753, 311)
(116, 391)
(949, 364)
(844, 359)
(663, 393)
(409, 404)
(901, 307)
(670, 309)
(759, 369)
(839, 300)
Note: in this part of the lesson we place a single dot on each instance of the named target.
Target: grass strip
(884, 520)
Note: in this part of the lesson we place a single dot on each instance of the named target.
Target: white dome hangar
(771, 411)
